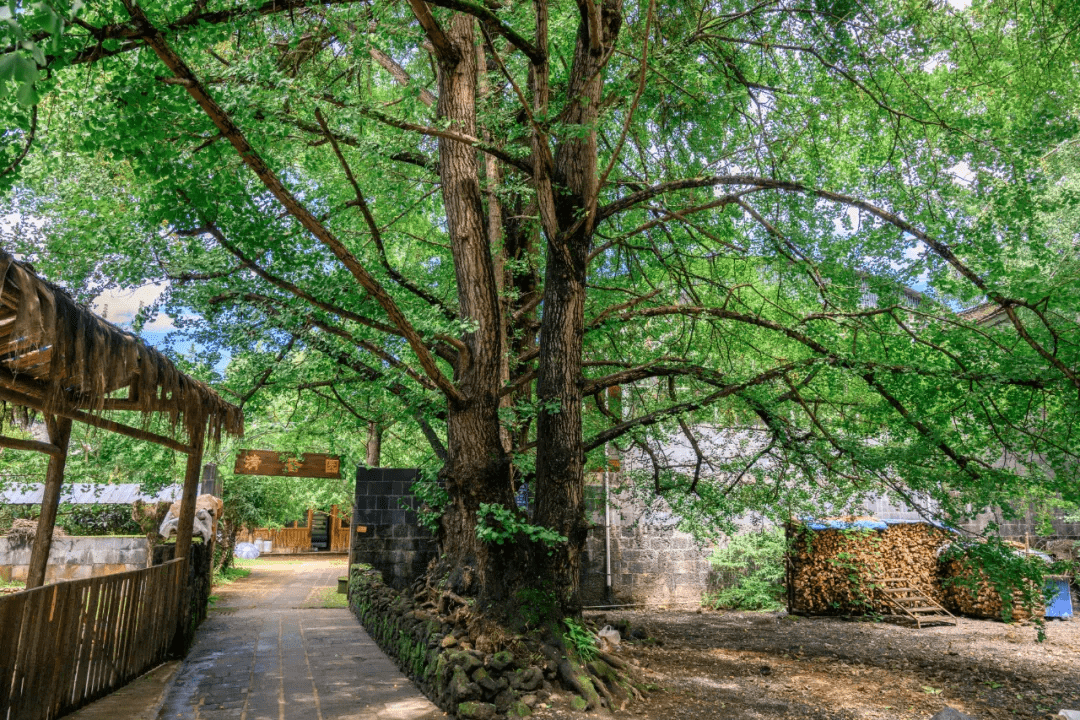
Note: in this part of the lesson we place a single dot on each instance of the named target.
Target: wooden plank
(102, 660)
(128, 665)
(22, 363)
(270, 462)
(30, 651)
(137, 653)
(112, 628)
(11, 614)
(52, 666)
(69, 647)
(86, 641)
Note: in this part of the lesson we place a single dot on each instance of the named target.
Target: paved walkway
(270, 651)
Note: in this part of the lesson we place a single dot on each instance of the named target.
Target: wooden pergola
(60, 359)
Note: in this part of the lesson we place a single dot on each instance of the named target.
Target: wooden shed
(316, 531)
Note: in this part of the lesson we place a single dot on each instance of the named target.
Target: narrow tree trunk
(374, 445)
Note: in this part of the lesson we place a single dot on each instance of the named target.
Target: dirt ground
(737, 665)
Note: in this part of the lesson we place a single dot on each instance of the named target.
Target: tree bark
(478, 469)
(560, 481)
(374, 444)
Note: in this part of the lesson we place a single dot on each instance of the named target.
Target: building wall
(652, 563)
(74, 558)
(386, 534)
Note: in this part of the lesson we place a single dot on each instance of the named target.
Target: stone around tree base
(476, 711)
(948, 713)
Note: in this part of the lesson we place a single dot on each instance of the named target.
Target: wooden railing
(66, 644)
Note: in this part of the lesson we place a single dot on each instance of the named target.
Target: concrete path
(270, 651)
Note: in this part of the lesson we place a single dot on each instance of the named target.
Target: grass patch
(229, 575)
(264, 562)
(8, 587)
(329, 597)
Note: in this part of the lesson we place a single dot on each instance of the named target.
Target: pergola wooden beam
(186, 522)
(58, 358)
(97, 421)
(31, 445)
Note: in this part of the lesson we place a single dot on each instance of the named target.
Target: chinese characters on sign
(272, 462)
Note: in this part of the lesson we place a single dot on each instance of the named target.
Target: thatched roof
(62, 356)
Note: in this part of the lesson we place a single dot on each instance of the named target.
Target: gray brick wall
(650, 564)
(392, 540)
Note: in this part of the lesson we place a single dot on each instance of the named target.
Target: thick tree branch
(254, 161)
(400, 75)
(523, 165)
(492, 22)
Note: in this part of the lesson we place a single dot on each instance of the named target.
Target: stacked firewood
(984, 602)
(834, 571)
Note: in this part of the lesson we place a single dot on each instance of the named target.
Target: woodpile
(23, 531)
(985, 601)
(831, 571)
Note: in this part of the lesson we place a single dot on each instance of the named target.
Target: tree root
(577, 679)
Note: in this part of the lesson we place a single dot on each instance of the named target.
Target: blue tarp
(845, 525)
(873, 524)
(1060, 605)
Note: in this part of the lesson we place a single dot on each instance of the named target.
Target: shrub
(750, 572)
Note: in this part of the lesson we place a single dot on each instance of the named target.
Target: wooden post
(186, 522)
(59, 435)
(184, 527)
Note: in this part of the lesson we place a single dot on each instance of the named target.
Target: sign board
(271, 462)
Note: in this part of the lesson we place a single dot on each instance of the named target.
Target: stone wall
(385, 530)
(438, 656)
(1026, 528)
(652, 563)
(74, 558)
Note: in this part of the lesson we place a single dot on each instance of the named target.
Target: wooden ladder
(912, 602)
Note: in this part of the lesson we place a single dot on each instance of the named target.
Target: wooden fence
(298, 539)
(66, 644)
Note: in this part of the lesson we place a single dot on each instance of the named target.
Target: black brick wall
(393, 542)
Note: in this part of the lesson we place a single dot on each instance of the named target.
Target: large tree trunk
(478, 468)
(560, 482)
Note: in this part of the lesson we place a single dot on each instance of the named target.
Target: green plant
(1012, 574)
(97, 520)
(329, 597)
(579, 640)
(433, 497)
(751, 569)
(224, 576)
(498, 524)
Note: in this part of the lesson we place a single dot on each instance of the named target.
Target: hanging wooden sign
(279, 464)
